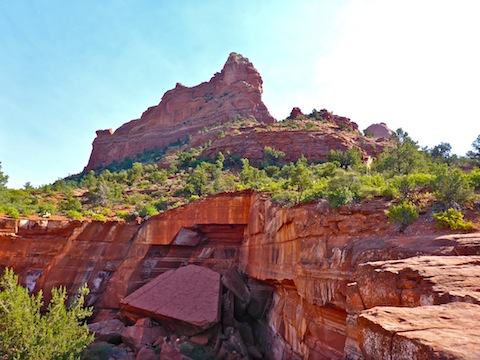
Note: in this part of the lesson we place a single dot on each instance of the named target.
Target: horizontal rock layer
(327, 267)
(447, 331)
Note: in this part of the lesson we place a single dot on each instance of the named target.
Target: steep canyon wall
(332, 271)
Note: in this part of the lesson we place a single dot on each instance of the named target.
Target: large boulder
(186, 299)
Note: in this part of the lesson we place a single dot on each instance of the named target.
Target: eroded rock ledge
(341, 280)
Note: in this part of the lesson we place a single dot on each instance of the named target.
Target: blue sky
(68, 69)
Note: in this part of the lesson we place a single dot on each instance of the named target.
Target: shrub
(349, 158)
(27, 334)
(474, 178)
(10, 211)
(147, 210)
(402, 215)
(343, 188)
(70, 203)
(99, 217)
(124, 215)
(452, 219)
(272, 156)
(339, 197)
(452, 188)
(74, 214)
(47, 208)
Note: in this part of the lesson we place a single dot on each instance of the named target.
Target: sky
(69, 68)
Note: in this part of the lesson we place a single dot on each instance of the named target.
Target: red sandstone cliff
(236, 90)
(333, 272)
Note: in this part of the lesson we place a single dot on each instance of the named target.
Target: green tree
(347, 159)
(343, 188)
(89, 180)
(442, 152)
(197, 182)
(3, 178)
(452, 188)
(403, 158)
(27, 334)
(300, 177)
(475, 154)
(135, 173)
(272, 156)
(146, 210)
(71, 203)
(101, 194)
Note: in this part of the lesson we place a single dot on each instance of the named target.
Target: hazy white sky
(68, 69)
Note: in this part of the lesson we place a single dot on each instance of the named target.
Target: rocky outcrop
(314, 144)
(378, 131)
(235, 91)
(420, 280)
(296, 112)
(447, 331)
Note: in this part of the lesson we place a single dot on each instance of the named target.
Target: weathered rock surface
(419, 281)
(313, 144)
(325, 266)
(296, 112)
(146, 353)
(110, 331)
(379, 130)
(186, 299)
(235, 91)
(143, 332)
(411, 282)
(447, 331)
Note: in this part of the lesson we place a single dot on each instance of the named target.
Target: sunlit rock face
(315, 280)
(448, 331)
(186, 298)
(234, 91)
(378, 130)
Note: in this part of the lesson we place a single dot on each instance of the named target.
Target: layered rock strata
(447, 331)
(234, 91)
(331, 272)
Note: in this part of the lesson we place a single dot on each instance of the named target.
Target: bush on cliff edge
(402, 215)
(26, 333)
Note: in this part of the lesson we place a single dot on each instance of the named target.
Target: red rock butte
(234, 91)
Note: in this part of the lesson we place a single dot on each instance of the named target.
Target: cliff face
(332, 272)
(315, 144)
(235, 91)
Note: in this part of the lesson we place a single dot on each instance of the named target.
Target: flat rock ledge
(449, 331)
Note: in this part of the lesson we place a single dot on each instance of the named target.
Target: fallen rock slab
(186, 299)
(448, 331)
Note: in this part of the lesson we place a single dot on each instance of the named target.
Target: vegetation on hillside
(406, 174)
